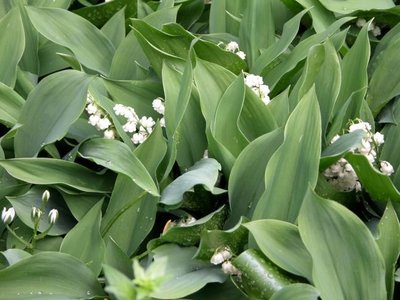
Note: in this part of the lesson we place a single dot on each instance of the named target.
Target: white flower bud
(361, 125)
(241, 54)
(94, 119)
(378, 138)
(109, 134)
(220, 256)
(103, 123)
(232, 46)
(36, 213)
(45, 196)
(386, 168)
(158, 105)
(335, 138)
(376, 31)
(162, 122)
(361, 22)
(8, 215)
(53, 216)
(138, 138)
(130, 126)
(91, 108)
(230, 269)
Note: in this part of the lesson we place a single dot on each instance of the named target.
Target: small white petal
(386, 168)
(109, 134)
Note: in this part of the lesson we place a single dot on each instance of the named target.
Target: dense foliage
(195, 149)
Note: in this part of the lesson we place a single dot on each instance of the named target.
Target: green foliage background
(143, 222)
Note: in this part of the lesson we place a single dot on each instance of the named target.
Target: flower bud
(45, 196)
(36, 213)
(220, 256)
(8, 215)
(53, 216)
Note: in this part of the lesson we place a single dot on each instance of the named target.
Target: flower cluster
(376, 30)
(256, 83)
(342, 175)
(222, 256)
(234, 48)
(98, 118)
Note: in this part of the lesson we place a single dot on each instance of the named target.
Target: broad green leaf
(188, 234)
(57, 102)
(273, 76)
(14, 255)
(33, 198)
(349, 6)
(52, 58)
(131, 213)
(346, 143)
(10, 105)
(299, 154)
(384, 84)
(257, 29)
(321, 17)
(225, 127)
(135, 93)
(71, 31)
(56, 171)
(118, 157)
(211, 81)
(84, 241)
(115, 257)
(50, 3)
(99, 14)
(80, 204)
(389, 243)
(298, 291)
(379, 186)
(204, 172)
(207, 50)
(335, 236)
(118, 284)
(245, 184)
(217, 16)
(288, 35)
(354, 68)
(259, 277)
(235, 239)
(281, 243)
(181, 111)
(182, 275)
(49, 275)
(12, 45)
(114, 29)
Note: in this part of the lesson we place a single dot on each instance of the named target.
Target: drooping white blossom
(53, 216)
(386, 168)
(221, 255)
(8, 215)
(234, 48)
(256, 83)
(158, 105)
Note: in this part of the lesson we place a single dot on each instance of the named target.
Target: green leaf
(259, 278)
(245, 186)
(217, 16)
(384, 84)
(204, 172)
(49, 275)
(71, 31)
(182, 275)
(84, 241)
(346, 143)
(131, 213)
(12, 45)
(281, 243)
(115, 257)
(235, 239)
(225, 127)
(389, 244)
(354, 68)
(10, 105)
(379, 186)
(118, 284)
(114, 29)
(118, 157)
(188, 234)
(57, 102)
(56, 171)
(273, 76)
(288, 35)
(298, 291)
(321, 17)
(299, 154)
(33, 198)
(335, 236)
(257, 29)
(14, 255)
(349, 6)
